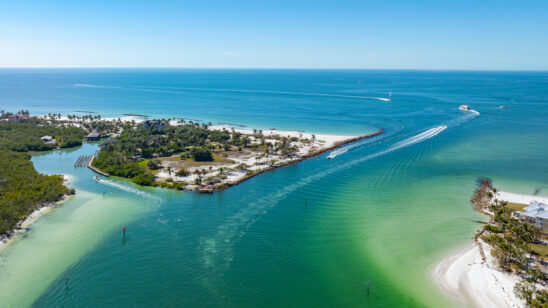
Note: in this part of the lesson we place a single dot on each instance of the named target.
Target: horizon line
(273, 68)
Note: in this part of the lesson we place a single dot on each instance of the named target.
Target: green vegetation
(22, 189)
(25, 136)
(201, 154)
(514, 244)
(510, 238)
(155, 141)
(531, 295)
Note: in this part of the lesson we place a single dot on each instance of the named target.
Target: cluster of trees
(158, 139)
(154, 139)
(511, 239)
(22, 189)
(25, 136)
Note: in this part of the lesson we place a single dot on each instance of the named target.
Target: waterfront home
(155, 125)
(93, 136)
(107, 143)
(46, 138)
(537, 214)
(18, 117)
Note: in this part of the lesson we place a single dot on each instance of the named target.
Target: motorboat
(464, 107)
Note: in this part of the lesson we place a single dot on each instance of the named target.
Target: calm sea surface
(312, 234)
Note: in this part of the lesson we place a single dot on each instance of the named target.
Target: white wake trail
(351, 146)
(128, 189)
(470, 114)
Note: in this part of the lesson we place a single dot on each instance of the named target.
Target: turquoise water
(310, 234)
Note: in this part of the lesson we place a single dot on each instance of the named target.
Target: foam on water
(128, 189)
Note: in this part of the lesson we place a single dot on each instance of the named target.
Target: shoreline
(465, 277)
(333, 146)
(471, 275)
(326, 143)
(7, 239)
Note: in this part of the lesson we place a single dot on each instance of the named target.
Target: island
(202, 157)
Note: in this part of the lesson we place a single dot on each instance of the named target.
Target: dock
(95, 169)
(83, 160)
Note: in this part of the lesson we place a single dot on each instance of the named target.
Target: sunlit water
(384, 211)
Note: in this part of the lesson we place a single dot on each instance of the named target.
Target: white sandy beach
(518, 198)
(328, 140)
(475, 283)
(466, 277)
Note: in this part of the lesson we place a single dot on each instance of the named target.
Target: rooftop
(537, 209)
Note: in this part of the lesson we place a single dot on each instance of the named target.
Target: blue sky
(492, 35)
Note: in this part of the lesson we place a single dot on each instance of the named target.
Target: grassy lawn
(541, 250)
(189, 162)
(516, 206)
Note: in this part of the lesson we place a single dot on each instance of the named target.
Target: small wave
(85, 85)
(128, 189)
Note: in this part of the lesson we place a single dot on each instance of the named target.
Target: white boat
(464, 107)
(390, 96)
(96, 178)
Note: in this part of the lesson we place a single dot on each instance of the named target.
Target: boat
(464, 107)
(96, 178)
(389, 97)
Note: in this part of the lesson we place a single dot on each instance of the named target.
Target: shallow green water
(310, 234)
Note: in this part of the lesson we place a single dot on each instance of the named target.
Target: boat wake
(420, 137)
(183, 89)
(128, 189)
(470, 114)
(216, 251)
(351, 146)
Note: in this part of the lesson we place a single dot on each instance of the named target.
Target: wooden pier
(83, 161)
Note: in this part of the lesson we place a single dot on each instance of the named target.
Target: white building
(537, 213)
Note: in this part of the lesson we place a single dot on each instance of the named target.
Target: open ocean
(312, 234)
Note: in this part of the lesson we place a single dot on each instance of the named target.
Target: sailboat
(390, 96)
